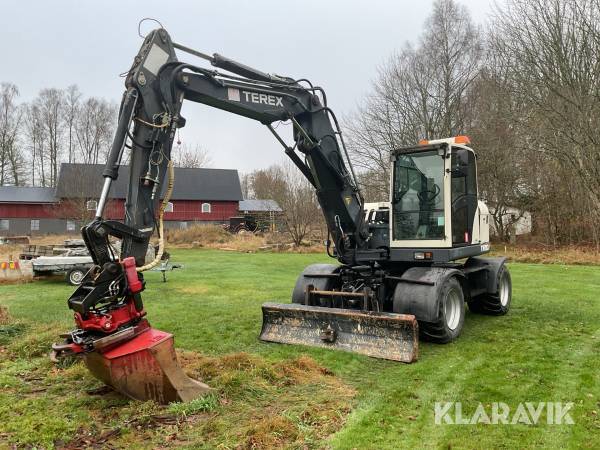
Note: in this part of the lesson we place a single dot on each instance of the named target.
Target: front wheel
(323, 279)
(451, 315)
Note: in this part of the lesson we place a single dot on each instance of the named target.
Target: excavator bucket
(377, 334)
(145, 368)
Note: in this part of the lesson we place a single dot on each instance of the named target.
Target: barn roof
(259, 205)
(85, 181)
(26, 194)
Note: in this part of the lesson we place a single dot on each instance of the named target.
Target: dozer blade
(376, 334)
(145, 368)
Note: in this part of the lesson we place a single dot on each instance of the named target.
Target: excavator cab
(434, 200)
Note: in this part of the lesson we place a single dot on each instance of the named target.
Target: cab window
(464, 195)
(418, 197)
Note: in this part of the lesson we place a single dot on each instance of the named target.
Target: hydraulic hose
(163, 206)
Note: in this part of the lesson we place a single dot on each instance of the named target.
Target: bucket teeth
(377, 334)
(145, 368)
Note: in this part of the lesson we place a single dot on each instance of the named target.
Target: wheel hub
(504, 289)
(452, 307)
(76, 276)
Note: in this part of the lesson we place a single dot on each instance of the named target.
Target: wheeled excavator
(405, 268)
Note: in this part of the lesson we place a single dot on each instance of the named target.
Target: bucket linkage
(116, 341)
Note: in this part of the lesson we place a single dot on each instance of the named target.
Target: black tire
(322, 283)
(496, 304)
(451, 315)
(241, 229)
(75, 275)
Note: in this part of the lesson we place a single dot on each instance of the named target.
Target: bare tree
(72, 99)
(419, 93)
(452, 45)
(191, 156)
(50, 105)
(93, 129)
(246, 184)
(11, 157)
(552, 48)
(301, 211)
(294, 194)
(35, 136)
(269, 183)
(505, 179)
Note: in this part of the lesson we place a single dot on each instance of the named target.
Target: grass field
(267, 395)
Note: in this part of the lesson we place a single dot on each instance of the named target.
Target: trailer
(73, 267)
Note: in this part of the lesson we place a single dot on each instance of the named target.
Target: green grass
(206, 403)
(546, 349)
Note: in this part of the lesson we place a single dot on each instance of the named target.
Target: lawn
(269, 395)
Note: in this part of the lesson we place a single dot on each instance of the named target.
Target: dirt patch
(257, 403)
(204, 236)
(292, 371)
(5, 318)
(304, 365)
(199, 235)
(36, 343)
(270, 432)
(543, 254)
(27, 278)
(88, 440)
(279, 404)
(212, 236)
(10, 252)
(193, 290)
(53, 239)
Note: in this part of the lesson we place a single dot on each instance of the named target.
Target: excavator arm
(156, 87)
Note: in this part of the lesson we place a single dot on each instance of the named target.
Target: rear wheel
(75, 276)
(451, 314)
(496, 304)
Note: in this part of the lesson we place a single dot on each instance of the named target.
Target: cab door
(463, 204)
(420, 198)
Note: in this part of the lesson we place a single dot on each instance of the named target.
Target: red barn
(199, 196)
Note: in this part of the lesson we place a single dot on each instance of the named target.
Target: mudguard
(320, 282)
(418, 291)
(492, 266)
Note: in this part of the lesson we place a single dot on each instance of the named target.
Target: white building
(522, 225)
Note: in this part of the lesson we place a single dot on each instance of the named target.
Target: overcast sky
(337, 44)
